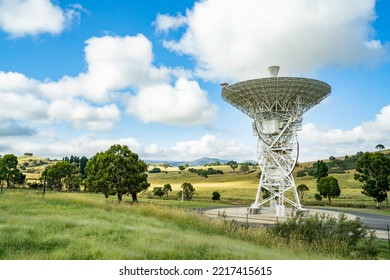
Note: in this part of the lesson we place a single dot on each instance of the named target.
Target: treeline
(205, 172)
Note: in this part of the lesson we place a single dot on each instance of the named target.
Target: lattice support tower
(276, 105)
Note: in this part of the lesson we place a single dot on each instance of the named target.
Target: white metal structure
(276, 105)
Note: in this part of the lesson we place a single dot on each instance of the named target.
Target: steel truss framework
(276, 106)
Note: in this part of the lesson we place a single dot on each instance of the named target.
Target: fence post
(388, 235)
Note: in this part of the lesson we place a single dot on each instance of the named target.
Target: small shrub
(216, 196)
(334, 235)
(155, 170)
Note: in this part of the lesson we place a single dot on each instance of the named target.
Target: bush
(216, 196)
(158, 191)
(155, 170)
(334, 235)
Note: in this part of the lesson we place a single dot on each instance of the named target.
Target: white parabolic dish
(276, 104)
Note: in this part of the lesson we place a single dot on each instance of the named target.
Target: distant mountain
(198, 162)
(206, 160)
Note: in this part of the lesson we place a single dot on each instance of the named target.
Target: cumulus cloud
(17, 82)
(185, 103)
(114, 63)
(22, 106)
(165, 23)
(84, 145)
(233, 39)
(319, 143)
(31, 17)
(81, 115)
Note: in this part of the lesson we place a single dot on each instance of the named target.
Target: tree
(373, 171)
(188, 189)
(82, 164)
(379, 147)
(167, 188)
(302, 188)
(216, 196)
(158, 191)
(328, 187)
(56, 173)
(233, 164)
(2, 174)
(165, 165)
(117, 171)
(181, 167)
(322, 170)
(244, 168)
(9, 170)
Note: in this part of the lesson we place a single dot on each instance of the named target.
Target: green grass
(83, 226)
(240, 189)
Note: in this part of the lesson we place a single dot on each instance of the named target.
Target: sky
(79, 76)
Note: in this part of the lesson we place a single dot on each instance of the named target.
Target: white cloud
(211, 146)
(319, 143)
(114, 63)
(16, 82)
(82, 115)
(185, 103)
(165, 23)
(31, 17)
(239, 39)
(22, 107)
(84, 145)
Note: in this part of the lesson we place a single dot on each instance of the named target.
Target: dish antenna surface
(276, 105)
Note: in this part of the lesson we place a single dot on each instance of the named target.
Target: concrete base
(254, 211)
(280, 210)
(306, 212)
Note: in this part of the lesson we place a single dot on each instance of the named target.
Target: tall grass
(82, 226)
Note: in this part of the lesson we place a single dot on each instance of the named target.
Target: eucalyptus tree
(328, 187)
(9, 171)
(167, 188)
(302, 188)
(56, 174)
(373, 170)
(117, 171)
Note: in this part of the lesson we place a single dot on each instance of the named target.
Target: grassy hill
(74, 226)
(33, 166)
(235, 188)
(79, 225)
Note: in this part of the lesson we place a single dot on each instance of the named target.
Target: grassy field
(82, 226)
(240, 189)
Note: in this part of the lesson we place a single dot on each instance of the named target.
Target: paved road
(374, 221)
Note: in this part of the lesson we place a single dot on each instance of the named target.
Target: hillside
(33, 166)
(198, 162)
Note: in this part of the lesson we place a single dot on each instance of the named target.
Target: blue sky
(79, 76)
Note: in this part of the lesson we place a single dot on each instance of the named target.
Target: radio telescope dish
(276, 105)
